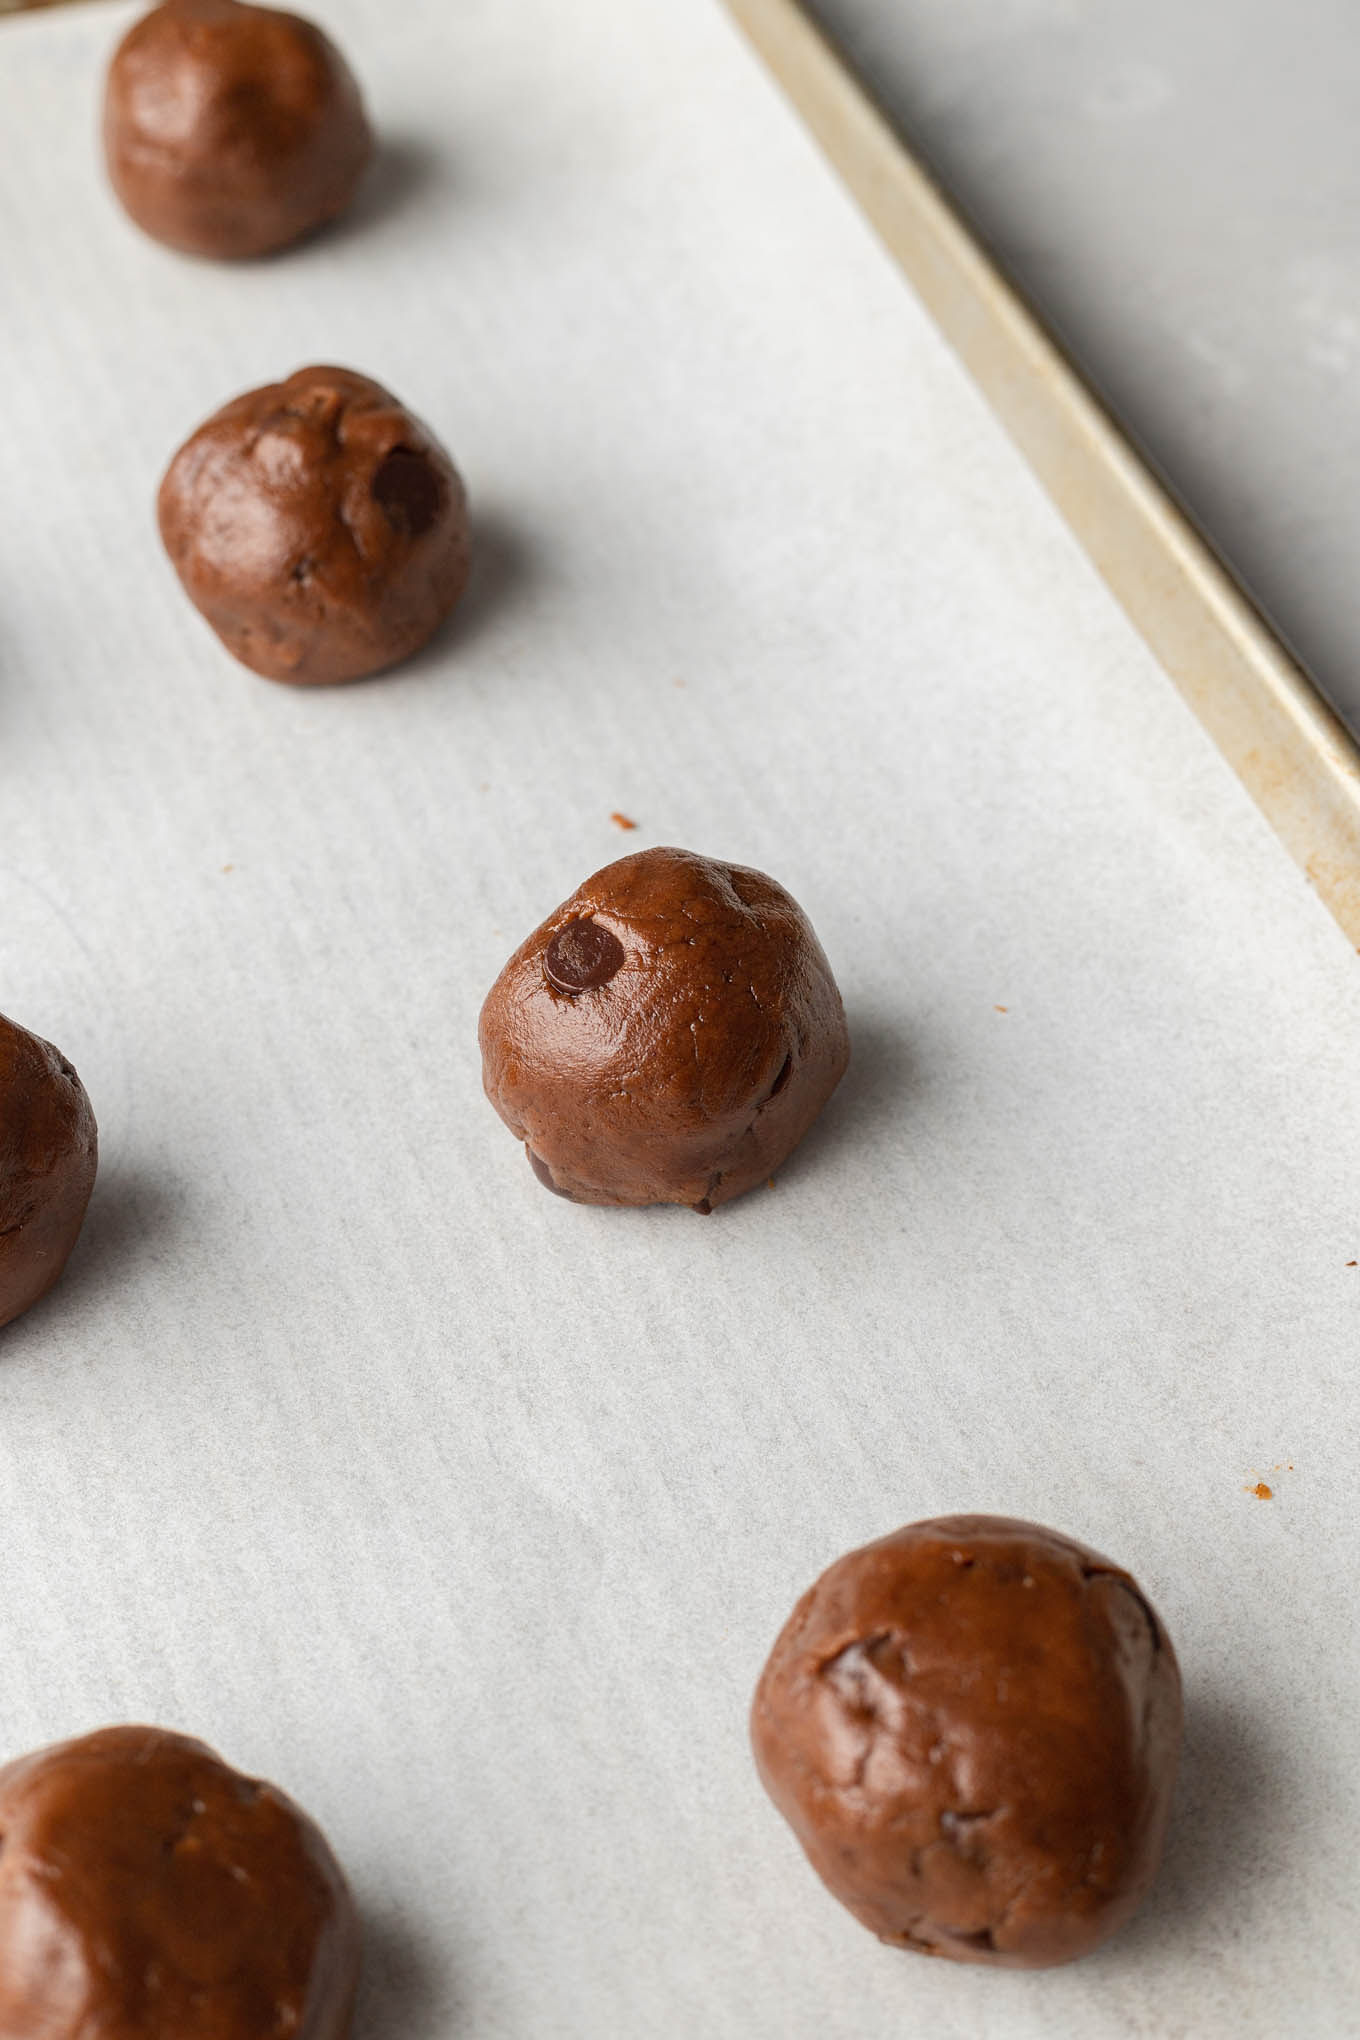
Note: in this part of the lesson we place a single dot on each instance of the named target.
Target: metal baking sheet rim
(1291, 753)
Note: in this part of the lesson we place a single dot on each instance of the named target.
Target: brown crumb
(621, 821)
(1352, 1264)
(769, 1182)
(1001, 1009)
(1261, 1492)
(226, 868)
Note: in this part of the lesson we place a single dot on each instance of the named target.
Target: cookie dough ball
(318, 526)
(48, 1154)
(232, 130)
(972, 1727)
(667, 1036)
(149, 1892)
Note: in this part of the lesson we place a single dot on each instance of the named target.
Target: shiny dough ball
(231, 130)
(149, 1892)
(48, 1156)
(320, 528)
(667, 1036)
(972, 1727)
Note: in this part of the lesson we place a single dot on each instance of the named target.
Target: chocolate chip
(407, 491)
(544, 1175)
(982, 1938)
(581, 957)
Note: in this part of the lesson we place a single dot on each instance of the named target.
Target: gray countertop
(1177, 190)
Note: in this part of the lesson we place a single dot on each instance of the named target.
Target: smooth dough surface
(232, 130)
(150, 1892)
(667, 1036)
(49, 1151)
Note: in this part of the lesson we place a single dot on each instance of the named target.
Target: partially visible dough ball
(320, 528)
(48, 1154)
(972, 1727)
(667, 1036)
(149, 1892)
(231, 130)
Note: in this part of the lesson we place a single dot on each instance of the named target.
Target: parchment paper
(467, 1515)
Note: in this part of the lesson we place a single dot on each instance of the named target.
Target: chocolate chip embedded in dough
(544, 1175)
(318, 526)
(972, 1727)
(409, 491)
(686, 1077)
(582, 957)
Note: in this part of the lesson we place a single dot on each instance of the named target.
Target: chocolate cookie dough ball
(667, 1036)
(48, 1154)
(318, 526)
(232, 130)
(972, 1727)
(149, 1892)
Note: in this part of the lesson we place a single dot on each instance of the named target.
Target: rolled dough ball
(149, 1892)
(319, 527)
(667, 1036)
(972, 1727)
(231, 130)
(48, 1156)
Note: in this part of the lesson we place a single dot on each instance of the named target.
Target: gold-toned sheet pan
(1292, 754)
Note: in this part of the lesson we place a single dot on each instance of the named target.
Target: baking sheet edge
(1293, 755)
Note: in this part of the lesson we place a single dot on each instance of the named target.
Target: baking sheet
(1296, 759)
(1174, 186)
(468, 1515)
